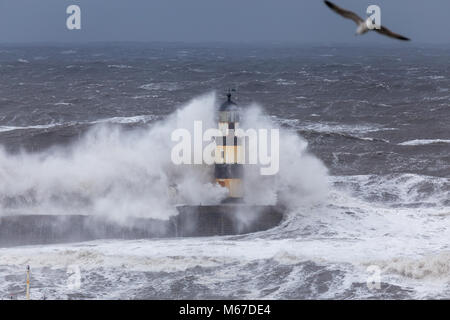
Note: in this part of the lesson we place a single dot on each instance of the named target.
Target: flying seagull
(362, 25)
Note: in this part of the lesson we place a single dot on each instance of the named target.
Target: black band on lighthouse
(232, 141)
(228, 171)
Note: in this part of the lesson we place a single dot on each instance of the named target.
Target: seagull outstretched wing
(389, 33)
(345, 13)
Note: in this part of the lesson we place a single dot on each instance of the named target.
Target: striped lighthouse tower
(229, 152)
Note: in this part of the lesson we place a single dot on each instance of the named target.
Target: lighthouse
(230, 217)
(229, 152)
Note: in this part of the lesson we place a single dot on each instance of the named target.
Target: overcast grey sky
(297, 21)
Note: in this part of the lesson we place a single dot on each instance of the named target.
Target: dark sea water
(378, 118)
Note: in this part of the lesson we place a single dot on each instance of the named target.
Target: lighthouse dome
(228, 105)
(229, 111)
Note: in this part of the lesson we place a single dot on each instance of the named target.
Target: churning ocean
(365, 168)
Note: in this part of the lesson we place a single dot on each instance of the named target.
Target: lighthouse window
(231, 125)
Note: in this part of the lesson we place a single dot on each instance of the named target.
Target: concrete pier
(192, 221)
